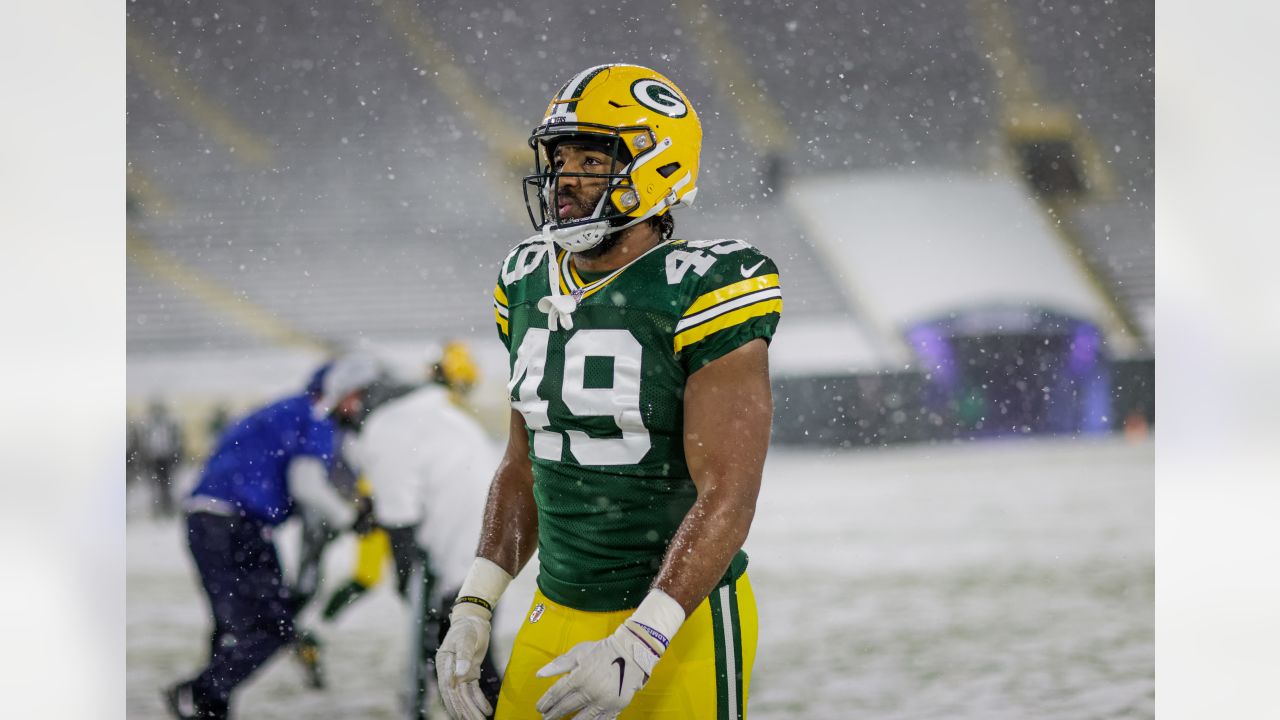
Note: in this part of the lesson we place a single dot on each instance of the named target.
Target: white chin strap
(559, 308)
(579, 237)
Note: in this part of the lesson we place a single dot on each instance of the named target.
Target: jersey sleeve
(502, 313)
(318, 441)
(739, 300)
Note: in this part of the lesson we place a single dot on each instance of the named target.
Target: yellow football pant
(704, 675)
(373, 549)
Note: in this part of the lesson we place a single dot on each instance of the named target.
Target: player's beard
(586, 206)
(602, 248)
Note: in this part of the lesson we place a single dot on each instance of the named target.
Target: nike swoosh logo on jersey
(622, 671)
(749, 271)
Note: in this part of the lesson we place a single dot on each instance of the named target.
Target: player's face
(577, 196)
(349, 408)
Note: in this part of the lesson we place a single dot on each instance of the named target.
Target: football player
(401, 485)
(427, 462)
(640, 419)
(263, 467)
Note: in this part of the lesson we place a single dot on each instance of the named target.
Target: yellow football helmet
(456, 369)
(649, 128)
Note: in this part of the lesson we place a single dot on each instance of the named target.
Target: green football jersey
(603, 401)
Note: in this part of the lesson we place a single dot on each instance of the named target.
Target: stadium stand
(316, 167)
(1098, 56)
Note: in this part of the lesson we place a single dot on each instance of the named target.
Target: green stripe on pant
(728, 646)
(732, 589)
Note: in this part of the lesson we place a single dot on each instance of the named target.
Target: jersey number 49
(621, 401)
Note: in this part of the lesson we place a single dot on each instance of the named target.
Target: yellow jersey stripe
(729, 292)
(577, 284)
(597, 288)
(691, 321)
(563, 261)
(727, 320)
(564, 288)
(499, 295)
(502, 322)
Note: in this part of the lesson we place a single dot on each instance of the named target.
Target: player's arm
(307, 479)
(507, 541)
(728, 413)
(510, 531)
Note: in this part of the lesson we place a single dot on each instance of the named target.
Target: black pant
(404, 550)
(252, 612)
(316, 537)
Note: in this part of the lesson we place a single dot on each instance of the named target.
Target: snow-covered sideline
(987, 580)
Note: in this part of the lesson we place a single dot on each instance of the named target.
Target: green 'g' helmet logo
(658, 97)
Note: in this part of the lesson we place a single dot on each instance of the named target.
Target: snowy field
(1008, 579)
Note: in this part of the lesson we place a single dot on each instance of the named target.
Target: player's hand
(364, 522)
(603, 675)
(458, 662)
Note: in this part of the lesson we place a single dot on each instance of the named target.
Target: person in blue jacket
(264, 466)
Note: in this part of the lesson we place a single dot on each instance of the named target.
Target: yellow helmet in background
(644, 122)
(456, 369)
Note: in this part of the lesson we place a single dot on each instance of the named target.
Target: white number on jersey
(621, 401)
(526, 376)
(679, 262)
(526, 260)
(700, 259)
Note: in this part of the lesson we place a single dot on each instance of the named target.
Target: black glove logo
(622, 671)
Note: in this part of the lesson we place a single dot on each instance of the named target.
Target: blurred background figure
(428, 464)
(263, 465)
(317, 533)
(161, 452)
(454, 370)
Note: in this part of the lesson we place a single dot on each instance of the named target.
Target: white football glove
(464, 646)
(604, 675)
(458, 663)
